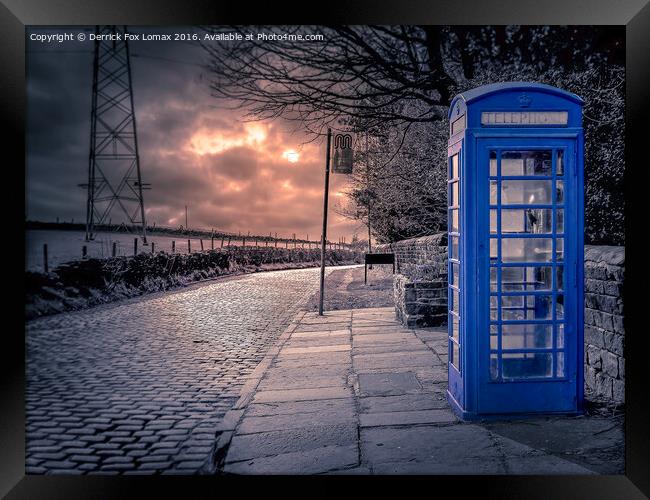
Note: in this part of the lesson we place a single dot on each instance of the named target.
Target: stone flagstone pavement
(355, 392)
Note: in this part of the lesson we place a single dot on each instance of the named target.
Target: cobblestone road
(140, 386)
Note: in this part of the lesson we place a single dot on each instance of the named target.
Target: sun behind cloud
(291, 155)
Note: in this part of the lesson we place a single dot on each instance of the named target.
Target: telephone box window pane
(493, 279)
(560, 364)
(494, 248)
(511, 301)
(526, 163)
(454, 200)
(527, 365)
(526, 307)
(514, 279)
(493, 192)
(493, 221)
(526, 249)
(494, 367)
(454, 167)
(453, 221)
(494, 309)
(493, 164)
(559, 249)
(559, 191)
(455, 329)
(559, 277)
(526, 336)
(559, 223)
(559, 306)
(455, 302)
(560, 336)
(559, 165)
(454, 247)
(494, 337)
(455, 355)
(527, 220)
(455, 271)
(526, 192)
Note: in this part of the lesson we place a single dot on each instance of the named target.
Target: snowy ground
(65, 246)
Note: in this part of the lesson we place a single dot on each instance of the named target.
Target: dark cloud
(230, 172)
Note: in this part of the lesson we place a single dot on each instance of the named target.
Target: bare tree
(372, 73)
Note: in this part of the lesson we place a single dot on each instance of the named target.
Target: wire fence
(47, 248)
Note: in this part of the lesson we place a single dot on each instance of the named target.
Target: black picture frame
(15, 15)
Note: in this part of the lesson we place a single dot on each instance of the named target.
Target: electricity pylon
(114, 164)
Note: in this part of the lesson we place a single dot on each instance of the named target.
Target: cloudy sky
(234, 175)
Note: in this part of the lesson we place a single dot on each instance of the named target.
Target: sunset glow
(234, 174)
(214, 142)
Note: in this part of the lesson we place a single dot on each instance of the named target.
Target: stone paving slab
(335, 416)
(316, 349)
(270, 396)
(315, 327)
(320, 334)
(313, 461)
(440, 416)
(403, 402)
(300, 407)
(283, 383)
(381, 409)
(265, 444)
(326, 340)
(387, 348)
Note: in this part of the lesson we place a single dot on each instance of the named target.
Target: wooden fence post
(153, 245)
(84, 252)
(173, 246)
(45, 264)
(201, 240)
(114, 248)
(135, 246)
(189, 246)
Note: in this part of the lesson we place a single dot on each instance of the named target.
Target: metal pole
(324, 235)
(90, 203)
(135, 142)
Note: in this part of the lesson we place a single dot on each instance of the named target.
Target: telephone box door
(527, 264)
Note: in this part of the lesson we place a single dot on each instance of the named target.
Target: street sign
(343, 157)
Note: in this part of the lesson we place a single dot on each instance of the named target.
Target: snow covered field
(66, 246)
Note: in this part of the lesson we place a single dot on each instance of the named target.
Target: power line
(133, 54)
(167, 59)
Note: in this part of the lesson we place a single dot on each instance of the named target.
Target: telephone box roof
(494, 88)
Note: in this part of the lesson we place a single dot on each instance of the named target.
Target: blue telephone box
(516, 220)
